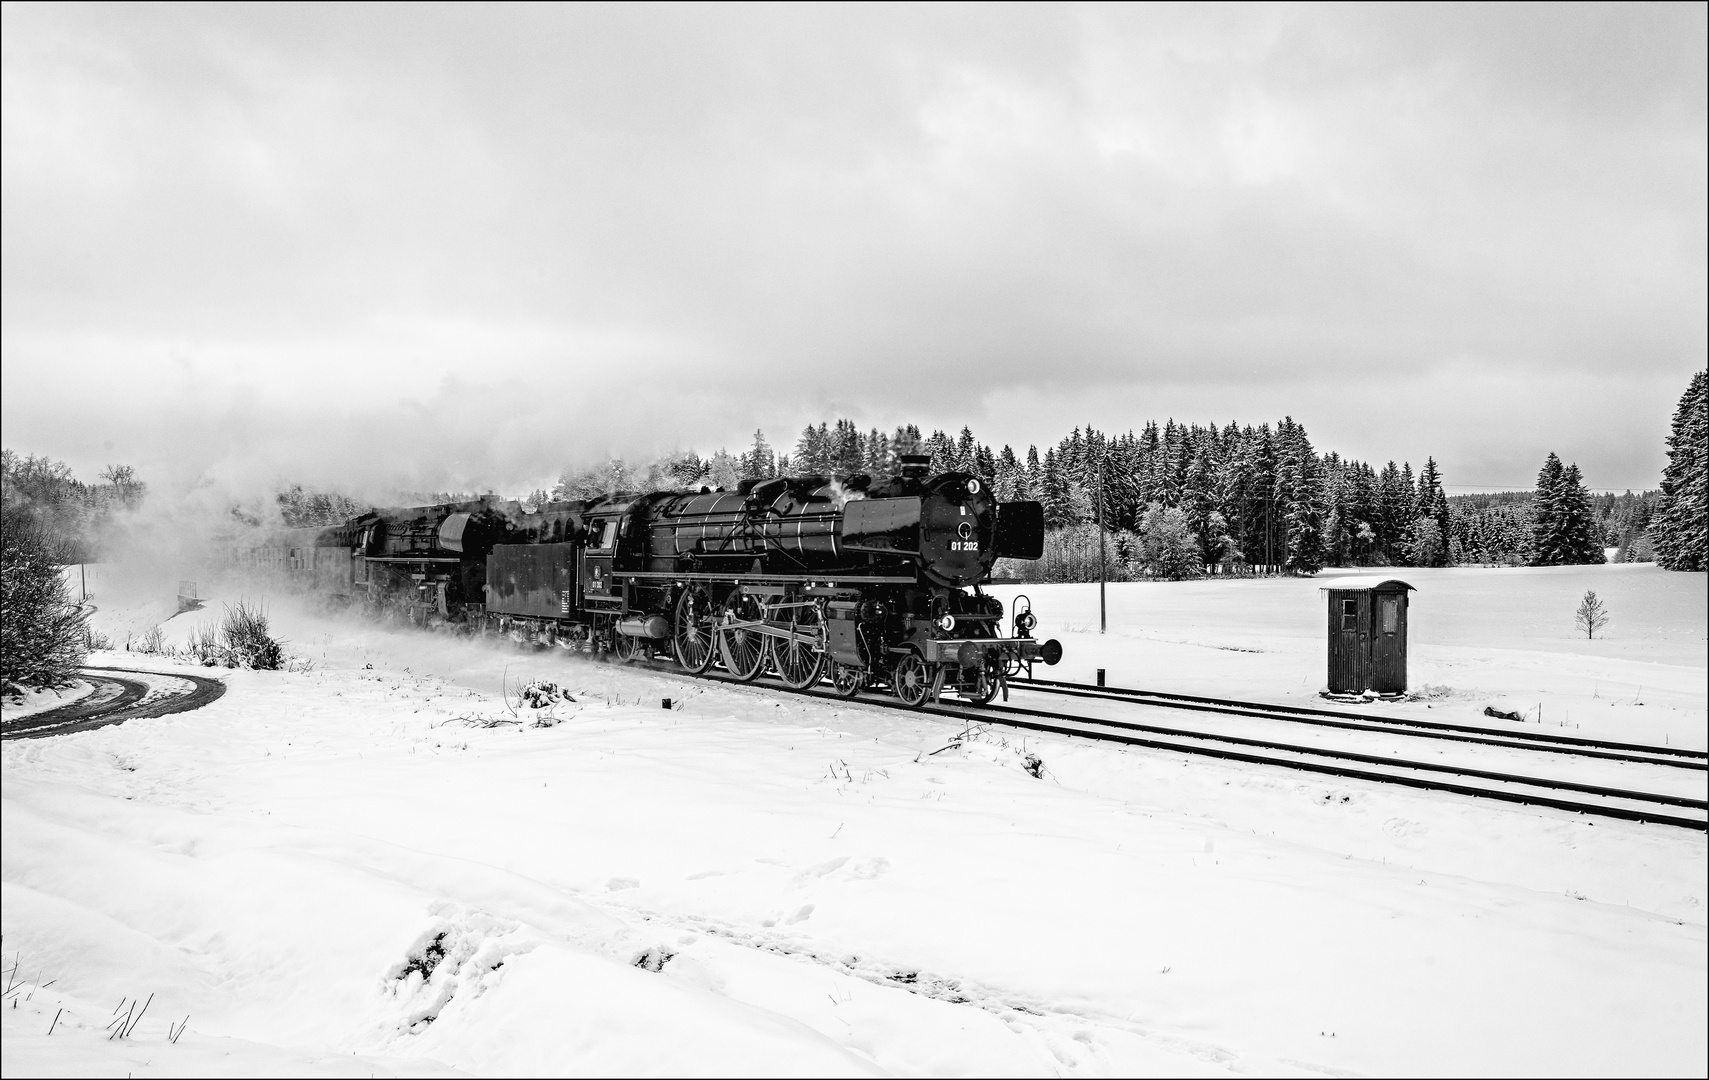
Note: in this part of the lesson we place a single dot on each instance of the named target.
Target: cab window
(607, 534)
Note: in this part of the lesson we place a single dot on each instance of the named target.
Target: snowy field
(385, 866)
(1478, 637)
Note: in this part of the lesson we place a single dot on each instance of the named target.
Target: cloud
(448, 242)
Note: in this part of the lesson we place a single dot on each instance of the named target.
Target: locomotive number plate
(964, 545)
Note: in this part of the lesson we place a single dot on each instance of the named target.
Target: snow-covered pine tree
(942, 450)
(1144, 464)
(1126, 501)
(1171, 466)
(1300, 500)
(849, 456)
(966, 450)
(1053, 493)
(812, 451)
(1071, 456)
(1582, 536)
(1388, 508)
(1337, 541)
(1361, 512)
(759, 463)
(1548, 544)
(1678, 527)
(1433, 501)
(907, 440)
(1198, 502)
(723, 470)
(1009, 479)
(686, 468)
(878, 462)
(1429, 547)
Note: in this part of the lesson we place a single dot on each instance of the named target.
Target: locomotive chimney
(916, 466)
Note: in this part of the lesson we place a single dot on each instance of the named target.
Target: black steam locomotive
(867, 583)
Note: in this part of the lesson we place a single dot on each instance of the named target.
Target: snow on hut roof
(1370, 583)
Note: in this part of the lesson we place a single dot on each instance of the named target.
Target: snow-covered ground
(1478, 637)
(749, 883)
(29, 702)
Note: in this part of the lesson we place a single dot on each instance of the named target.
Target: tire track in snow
(114, 701)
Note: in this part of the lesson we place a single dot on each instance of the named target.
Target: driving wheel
(743, 649)
(692, 636)
(798, 659)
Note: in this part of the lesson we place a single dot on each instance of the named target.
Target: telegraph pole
(1099, 507)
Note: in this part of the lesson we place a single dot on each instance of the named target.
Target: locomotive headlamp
(973, 487)
(947, 623)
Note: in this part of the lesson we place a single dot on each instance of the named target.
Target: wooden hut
(1367, 635)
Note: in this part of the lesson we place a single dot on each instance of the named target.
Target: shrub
(244, 632)
(1167, 546)
(541, 694)
(1071, 554)
(43, 636)
(240, 640)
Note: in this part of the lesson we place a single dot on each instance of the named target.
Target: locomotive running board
(763, 579)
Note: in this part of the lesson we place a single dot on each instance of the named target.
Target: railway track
(1592, 800)
(116, 699)
(1575, 746)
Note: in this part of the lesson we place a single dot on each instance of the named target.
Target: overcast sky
(470, 246)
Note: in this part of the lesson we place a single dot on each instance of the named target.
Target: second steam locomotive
(865, 583)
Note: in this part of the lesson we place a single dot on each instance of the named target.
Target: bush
(240, 640)
(1168, 548)
(43, 636)
(1071, 554)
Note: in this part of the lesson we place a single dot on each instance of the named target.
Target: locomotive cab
(599, 560)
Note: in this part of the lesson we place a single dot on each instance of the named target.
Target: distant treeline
(301, 508)
(1176, 500)
(1186, 500)
(70, 519)
(1497, 528)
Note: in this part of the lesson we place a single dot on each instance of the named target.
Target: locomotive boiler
(869, 583)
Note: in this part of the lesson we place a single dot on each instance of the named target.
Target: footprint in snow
(802, 914)
(821, 869)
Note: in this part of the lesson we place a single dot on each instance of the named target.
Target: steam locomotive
(867, 583)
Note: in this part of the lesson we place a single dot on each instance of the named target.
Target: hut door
(1388, 644)
(1353, 618)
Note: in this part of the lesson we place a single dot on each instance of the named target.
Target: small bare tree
(1592, 614)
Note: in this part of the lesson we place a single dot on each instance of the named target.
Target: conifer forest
(1183, 500)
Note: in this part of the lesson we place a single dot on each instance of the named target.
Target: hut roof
(1349, 584)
